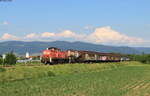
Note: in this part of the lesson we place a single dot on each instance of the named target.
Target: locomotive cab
(53, 55)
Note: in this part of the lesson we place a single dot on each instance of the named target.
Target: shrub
(2, 69)
(10, 59)
(1, 61)
(144, 58)
(50, 74)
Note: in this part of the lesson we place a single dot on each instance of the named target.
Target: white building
(27, 55)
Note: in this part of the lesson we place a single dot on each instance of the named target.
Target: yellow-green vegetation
(143, 58)
(97, 79)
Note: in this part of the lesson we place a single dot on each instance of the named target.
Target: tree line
(143, 58)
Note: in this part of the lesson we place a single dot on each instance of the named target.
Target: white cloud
(101, 35)
(67, 34)
(5, 22)
(108, 35)
(63, 34)
(7, 36)
(71, 34)
(31, 36)
(54, 36)
(47, 34)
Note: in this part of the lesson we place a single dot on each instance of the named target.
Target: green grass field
(104, 79)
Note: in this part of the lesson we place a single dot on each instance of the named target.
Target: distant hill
(21, 47)
(143, 50)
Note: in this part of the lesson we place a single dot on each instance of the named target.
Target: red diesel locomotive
(54, 55)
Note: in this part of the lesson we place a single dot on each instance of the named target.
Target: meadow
(96, 79)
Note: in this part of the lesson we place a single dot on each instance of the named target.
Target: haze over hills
(37, 47)
(143, 49)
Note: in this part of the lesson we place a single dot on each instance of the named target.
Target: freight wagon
(54, 55)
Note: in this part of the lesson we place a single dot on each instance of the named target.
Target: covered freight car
(90, 56)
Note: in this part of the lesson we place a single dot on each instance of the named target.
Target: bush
(10, 59)
(50, 74)
(144, 58)
(1, 61)
(2, 69)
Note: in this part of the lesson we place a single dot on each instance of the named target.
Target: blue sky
(74, 20)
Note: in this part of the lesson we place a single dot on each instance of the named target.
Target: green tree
(1, 61)
(144, 58)
(10, 59)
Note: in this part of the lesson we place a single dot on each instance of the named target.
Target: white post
(3, 56)
(69, 59)
(50, 60)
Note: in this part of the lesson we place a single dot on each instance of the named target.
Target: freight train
(54, 55)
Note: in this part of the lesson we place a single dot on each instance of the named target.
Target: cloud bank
(101, 35)
(7, 36)
(108, 35)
